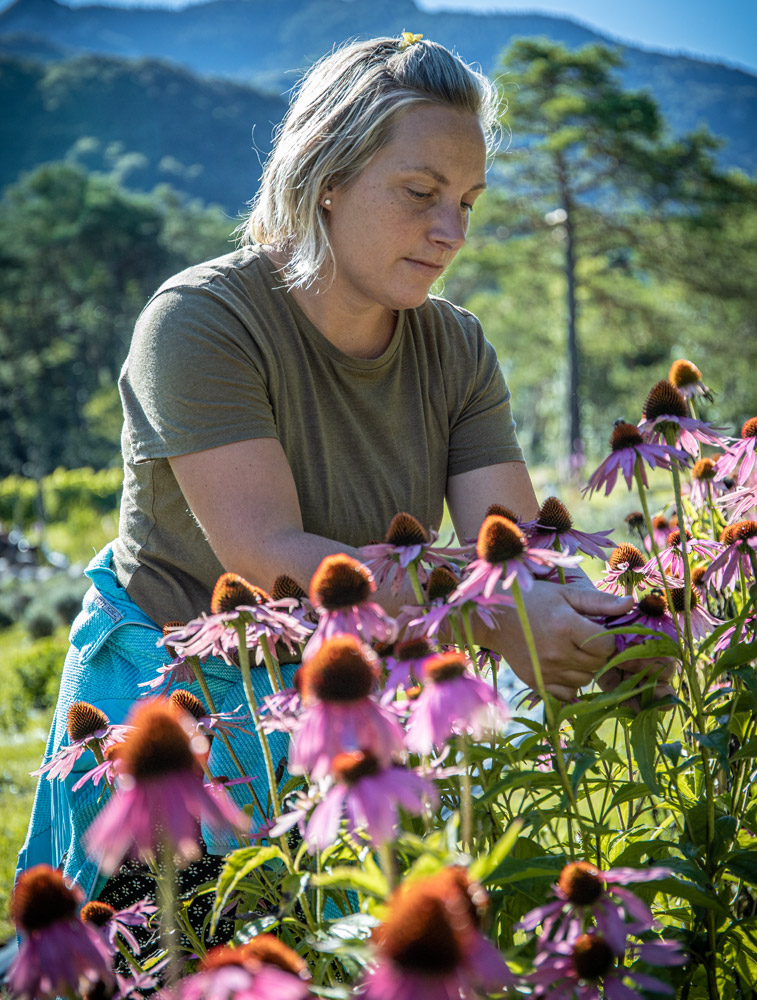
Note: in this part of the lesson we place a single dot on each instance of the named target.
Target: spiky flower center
(739, 532)
(664, 400)
(419, 935)
(223, 956)
(84, 720)
(683, 373)
(697, 575)
(158, 745)
(704, 469)
(678, 599)
(592, 957)
(500, 510)
(269, 949)
(350, 766)
(232, 591)
(441, 583)
(340, 670)
(405, 530)
(653, 604)
(626, 553)
(168, 628)
(189, 703)
(661, 523)
(284, 586)
(554, 514)
(635, 520)
(97, 913)
(625, 436)
(42, 898)
(674, 538)
(499, 539)
(412, 649)
(582, 883)
(749, 430)
(341, 582)
(444, 667)
(463, 897)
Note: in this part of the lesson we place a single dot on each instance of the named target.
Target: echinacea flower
(58, 952)
(431, 946)
(687, 378)
(739, 555)
(208, 722)
(651, 612)
(177, 671)
(262, 969)
(118, 923)
(554, 525)
(340, 715)
(234, 599)
(106, 771)
(404, 665)
(160, 794)
(667, 410)
(738, 502)
(281, 711)
(453, 701)
(631, 452)
(702, 622)
(504, 556)
(368, 796)
(671, 556)
(583, 888)
(341, 591)
(88, 729)
(739, 460)
(441, 608)
(406, 542)
(626, 570)
(705, 485)
(579, 967)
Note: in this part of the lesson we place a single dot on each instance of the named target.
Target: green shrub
(31, 670)
(23, 501)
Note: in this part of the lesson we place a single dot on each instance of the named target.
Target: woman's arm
(244, 497)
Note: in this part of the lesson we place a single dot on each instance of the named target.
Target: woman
(285, 401)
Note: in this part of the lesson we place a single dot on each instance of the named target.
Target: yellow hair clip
(408, 39)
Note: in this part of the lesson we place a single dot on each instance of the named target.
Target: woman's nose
(450, 227)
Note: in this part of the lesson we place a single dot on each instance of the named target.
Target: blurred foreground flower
(263, 969)
(160, 792)
(58, 954)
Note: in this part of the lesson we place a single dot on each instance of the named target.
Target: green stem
(412, 572)
(466, 801)
(169, 932)
(271, 665)
(470, 642)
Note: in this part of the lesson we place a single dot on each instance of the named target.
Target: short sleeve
(193, 378)
(482, 430)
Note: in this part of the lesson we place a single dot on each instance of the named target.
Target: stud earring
(327, 202)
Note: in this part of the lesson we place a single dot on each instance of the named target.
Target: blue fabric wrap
(113, 650)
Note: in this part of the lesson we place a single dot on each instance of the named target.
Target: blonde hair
(341, 115)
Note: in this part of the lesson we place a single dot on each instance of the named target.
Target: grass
(21, 753)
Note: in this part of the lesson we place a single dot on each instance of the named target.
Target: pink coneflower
(340, 714)
(584, 889)
(739, 555)
(160, 786)
(262, 969)
(687, 379)
(368, 796)
(705, 485)
(107, 770)
(629, 452)
(431, 947)
(667, 409)
(176, 671)
(702, 622)
(404, 665)
(58, 952)
(207, 722)
(579, 967)
(442, 585)
(661, 528)
(554, 524)
(234, 599)
(739, 502)
(452, 701)
(341, 591)
(88, 729)
(503, 557)
(118, 923)
(626, 570)
(671, 556)
(739, 460)
(282, 711)
(650, 612)
(747, 634)
(406, 542)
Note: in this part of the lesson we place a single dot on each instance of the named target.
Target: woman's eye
(466, 206)
(419, 195)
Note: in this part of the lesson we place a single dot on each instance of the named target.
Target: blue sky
(724, 30)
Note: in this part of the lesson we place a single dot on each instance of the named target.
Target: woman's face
(398, 224)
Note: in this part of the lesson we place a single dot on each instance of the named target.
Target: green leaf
(513, 870)
(743, 864)
(628, 791)
(734, 657)
(239, 864)
(672, 751)
(691, 893)
(360, 879)
(644, 744)
(485, 863)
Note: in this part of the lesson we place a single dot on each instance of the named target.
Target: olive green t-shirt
(222, 353)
